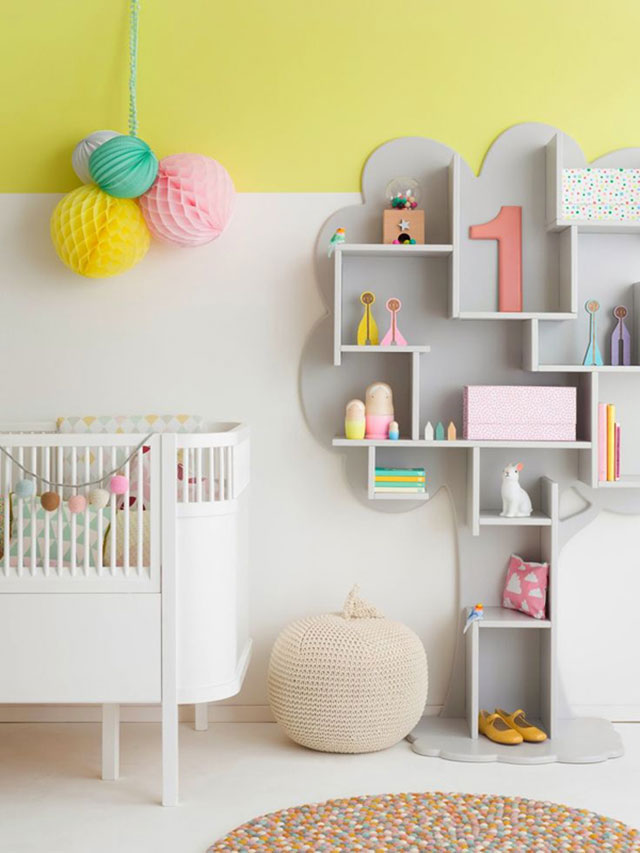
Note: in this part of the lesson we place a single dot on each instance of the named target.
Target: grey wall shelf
(448, 289)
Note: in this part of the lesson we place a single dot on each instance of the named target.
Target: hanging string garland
(25, 489)
(185, 200)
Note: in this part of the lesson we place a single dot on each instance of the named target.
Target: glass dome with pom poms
(403, 193)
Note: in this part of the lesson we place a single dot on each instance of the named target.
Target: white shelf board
(598, 226)
(411, 496)
(372, 348)
(631, 481)
(493, 518)
(587, 368)
(340, 441)
(517, 315)
(500, 617)
(432, 250)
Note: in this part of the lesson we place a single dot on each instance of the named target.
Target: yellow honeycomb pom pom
(97, 235)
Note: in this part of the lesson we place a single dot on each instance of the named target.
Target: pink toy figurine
(394, 336)
(379, 410)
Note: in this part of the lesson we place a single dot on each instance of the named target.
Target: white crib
(142, 602)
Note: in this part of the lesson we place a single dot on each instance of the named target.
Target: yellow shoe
(495, 728)
(522, 726)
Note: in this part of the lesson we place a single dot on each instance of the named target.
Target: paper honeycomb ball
(191, 200)
(97, 235)
(85, 148)
(124, 167)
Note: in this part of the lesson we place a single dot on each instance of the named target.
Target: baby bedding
(34, 521)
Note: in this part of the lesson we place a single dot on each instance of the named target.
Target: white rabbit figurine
(516, 503)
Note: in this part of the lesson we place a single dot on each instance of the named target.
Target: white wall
(219, 331)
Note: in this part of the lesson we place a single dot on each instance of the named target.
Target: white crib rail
(213, 468)
(90, 551)
(118, 549)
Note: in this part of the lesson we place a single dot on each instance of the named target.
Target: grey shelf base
(583, 740)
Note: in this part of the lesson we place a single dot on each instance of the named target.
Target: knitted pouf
(350, 682)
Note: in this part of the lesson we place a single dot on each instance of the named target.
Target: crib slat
(125, 497)
(212, 488)
(20, 503)
(139, 506)
(112, 528)
(46, 473)
(199, 474)
(223, 495)
(7, 515)
(59, 511)
(85, 534)
(73, 521)
(33, 465)
(100, 469)
(187, 474)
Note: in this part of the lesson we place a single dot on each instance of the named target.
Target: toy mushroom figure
(379, 410)
(354, 422)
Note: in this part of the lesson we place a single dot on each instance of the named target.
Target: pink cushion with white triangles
(525, 587)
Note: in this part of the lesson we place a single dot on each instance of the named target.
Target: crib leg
(169, 754)
(202, 716)
(110, 742)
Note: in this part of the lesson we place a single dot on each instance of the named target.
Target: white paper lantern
(85, 148)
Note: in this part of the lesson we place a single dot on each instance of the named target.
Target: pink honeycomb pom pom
(190, 202)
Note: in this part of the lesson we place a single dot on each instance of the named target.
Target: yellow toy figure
(367, 330)
(354, 420)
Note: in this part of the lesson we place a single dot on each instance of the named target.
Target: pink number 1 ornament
(506, 228)
(394, 336)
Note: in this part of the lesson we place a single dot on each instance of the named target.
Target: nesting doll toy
(378, 410)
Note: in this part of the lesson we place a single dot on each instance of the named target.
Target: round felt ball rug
(433, 821)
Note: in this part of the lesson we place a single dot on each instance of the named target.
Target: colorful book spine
(602, 442)
(401, 471)
(617, 454)
(396, 478)
(389, 490)
(611, 442)
(389, 484)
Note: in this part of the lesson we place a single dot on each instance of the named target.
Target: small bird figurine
(474, 615)
(354, 420)
(339, 237)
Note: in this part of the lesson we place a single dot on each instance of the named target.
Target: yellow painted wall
(292, 95)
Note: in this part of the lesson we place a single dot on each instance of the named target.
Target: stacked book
(608, 443)
(400, 481)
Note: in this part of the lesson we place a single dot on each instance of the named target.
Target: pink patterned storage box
(519, 413)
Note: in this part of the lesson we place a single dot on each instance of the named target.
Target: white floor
(51, 797)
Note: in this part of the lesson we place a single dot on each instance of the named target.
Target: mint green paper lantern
(124, 167)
